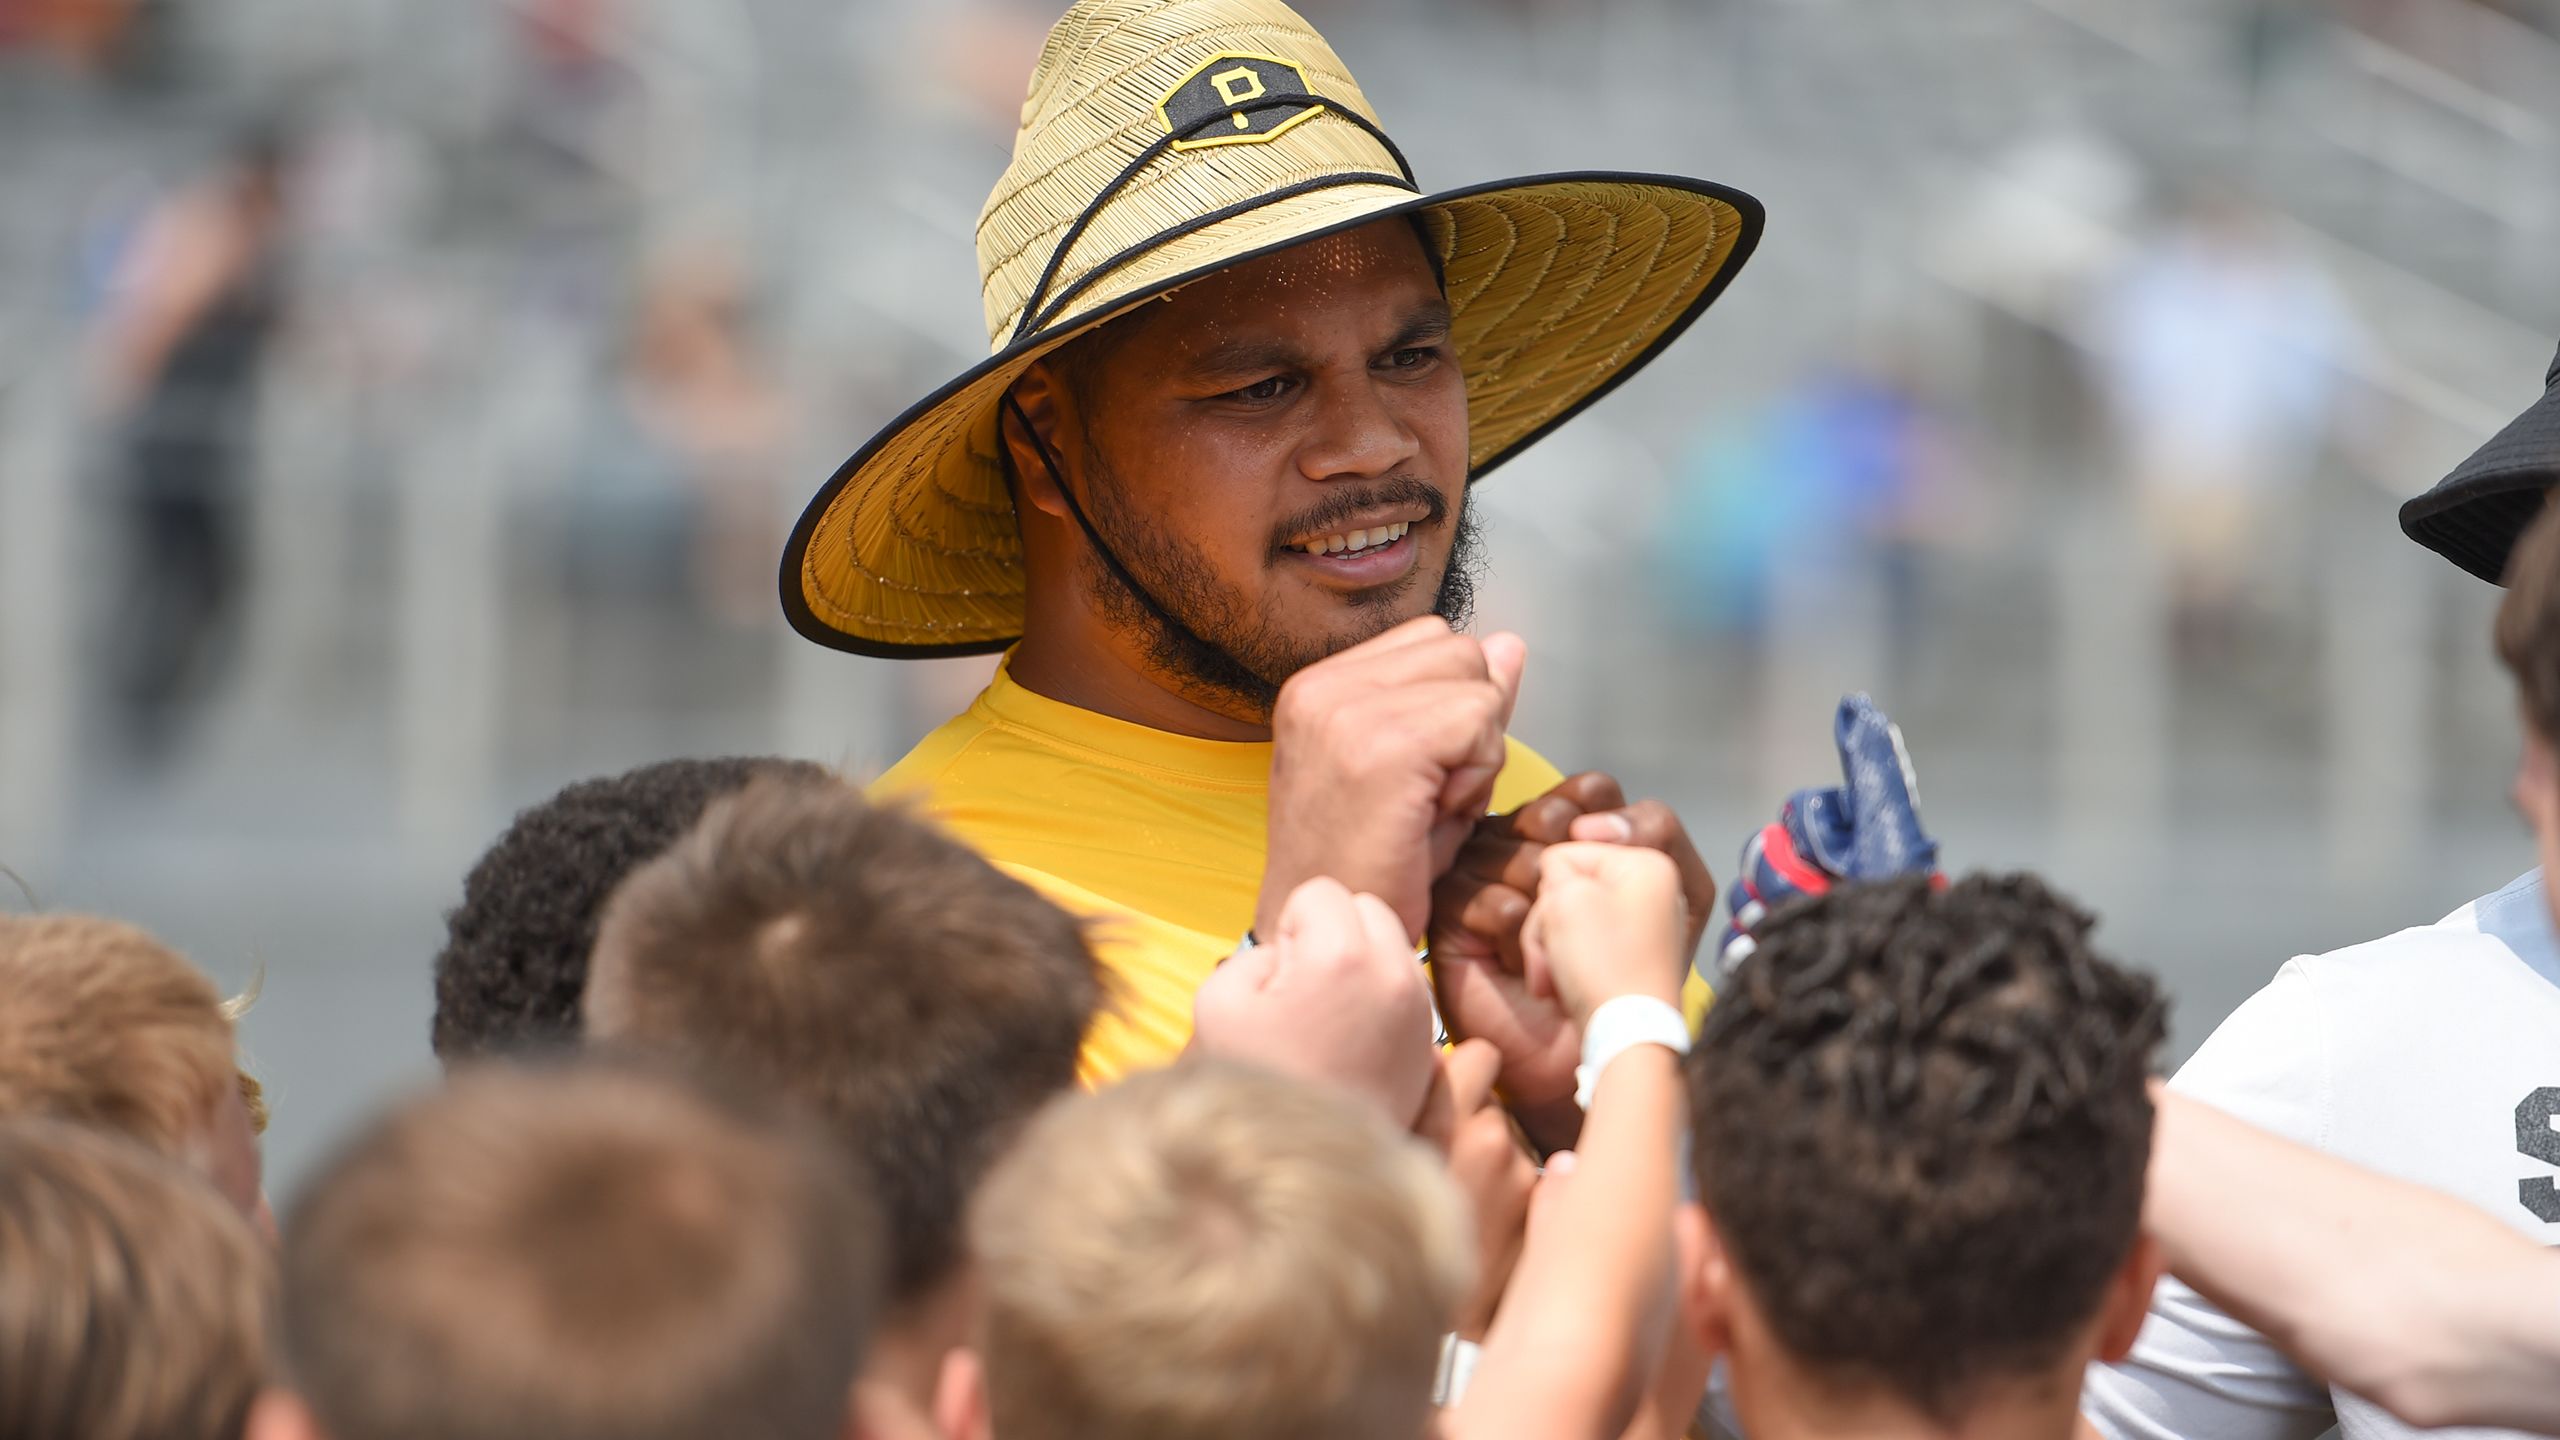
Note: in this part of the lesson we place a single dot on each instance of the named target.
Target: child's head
(1214, 1253)
(135, 1300)
(805, 944)
(102, 1025)
(1921, 1130)
(575, 1254)
(515, 953)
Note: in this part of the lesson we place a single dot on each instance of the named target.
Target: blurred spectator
(676, 496)
(565, 154)
(2217, 347)
(183, 344)
(1847, 470)
(86, 36)
(2267, 36)
(134, 1303)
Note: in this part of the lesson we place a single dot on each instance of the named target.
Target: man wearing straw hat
(1209, 491)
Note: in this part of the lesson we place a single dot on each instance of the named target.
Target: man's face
(1278, 454)
(2537, 798)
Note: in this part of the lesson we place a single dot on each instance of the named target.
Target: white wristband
(1620, 1025)
(1457, 1367)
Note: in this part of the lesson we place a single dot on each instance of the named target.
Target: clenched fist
(1383, 758)
(1610, 921)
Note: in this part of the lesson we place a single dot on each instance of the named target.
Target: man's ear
(1703, 1277)
(960, 1397)
(280, 1415)
(2128, 1301)
(1041, 396)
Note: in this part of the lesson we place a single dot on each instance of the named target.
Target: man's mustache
(1341, 505)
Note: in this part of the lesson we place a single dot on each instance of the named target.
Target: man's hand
(1609, 921)
(1334, 995)
(1383, 757)
(1865, 828)
(1477, 908)
(1461, 1119)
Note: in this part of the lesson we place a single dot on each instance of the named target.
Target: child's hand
(1336, 995)
(1465, 1123)
(1609, 921)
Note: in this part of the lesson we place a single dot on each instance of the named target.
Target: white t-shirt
(2432, 1055)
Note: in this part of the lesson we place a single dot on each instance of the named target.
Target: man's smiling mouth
(1352, 542)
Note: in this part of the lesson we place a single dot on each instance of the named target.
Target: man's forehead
(1378, 265)
(1383, 250)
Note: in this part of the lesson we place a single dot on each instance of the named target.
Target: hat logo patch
(1235, 98)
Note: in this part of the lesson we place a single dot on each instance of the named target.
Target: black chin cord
(1145, 597)
(1040, 308)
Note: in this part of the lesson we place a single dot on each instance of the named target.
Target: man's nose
(1358, 435)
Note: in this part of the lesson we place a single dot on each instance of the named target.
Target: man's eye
(1262, 390)
(1413, 357)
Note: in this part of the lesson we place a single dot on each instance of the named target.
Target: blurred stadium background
(2065, 408)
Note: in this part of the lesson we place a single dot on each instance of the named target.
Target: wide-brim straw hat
(2474, 516)
(1163, 140)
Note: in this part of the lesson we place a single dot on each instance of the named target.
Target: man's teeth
(1353, 541)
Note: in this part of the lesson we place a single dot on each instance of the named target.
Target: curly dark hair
(1921, 1129)
(515, 953)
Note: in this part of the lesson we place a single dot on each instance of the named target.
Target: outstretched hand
(1462, 1120)
(1865, 828)
(1609, 921)
(1334, 995)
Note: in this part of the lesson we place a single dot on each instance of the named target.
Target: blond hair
(135, 1302)
(1215, 1253)
(101, 1024)
(579, 1253)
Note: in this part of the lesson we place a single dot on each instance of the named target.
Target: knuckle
(1653, 815)
(1297, 691)
(1338, 730)
(1480, 1141)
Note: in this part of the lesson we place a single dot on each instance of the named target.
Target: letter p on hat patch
(1237, 98)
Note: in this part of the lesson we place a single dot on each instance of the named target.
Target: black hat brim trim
(2474, 516)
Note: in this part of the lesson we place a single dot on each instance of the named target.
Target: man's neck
(1097, 677)
(1795, 1406)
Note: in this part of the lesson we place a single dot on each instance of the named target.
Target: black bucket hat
(2475, 515)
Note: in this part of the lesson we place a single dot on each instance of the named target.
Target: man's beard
(1217, 649)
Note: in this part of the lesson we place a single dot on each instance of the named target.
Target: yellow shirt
(1157, 837)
